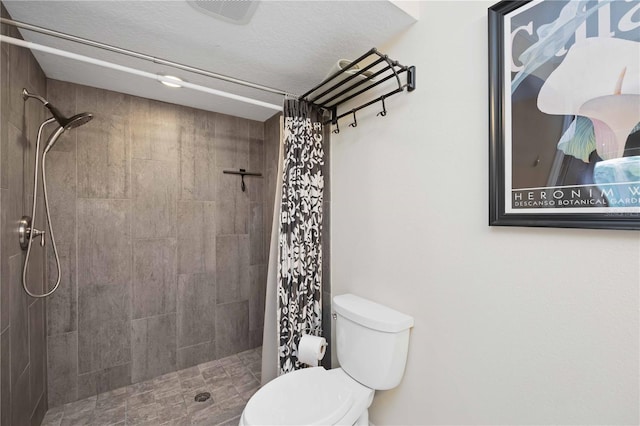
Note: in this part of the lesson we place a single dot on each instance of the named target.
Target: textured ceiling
(289, 45)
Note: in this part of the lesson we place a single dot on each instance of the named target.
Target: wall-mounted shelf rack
(354, 79)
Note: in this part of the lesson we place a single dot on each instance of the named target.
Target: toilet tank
(372, 341)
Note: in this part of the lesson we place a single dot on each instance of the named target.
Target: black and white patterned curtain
(300, 249)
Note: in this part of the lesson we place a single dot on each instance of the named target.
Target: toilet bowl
(311, 396)
(372, 343)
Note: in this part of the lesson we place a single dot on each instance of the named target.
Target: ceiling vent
(234, 11)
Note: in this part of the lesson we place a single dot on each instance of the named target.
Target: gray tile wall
(163, 255)
(23, 394)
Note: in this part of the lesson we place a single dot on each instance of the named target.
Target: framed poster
(564, 111)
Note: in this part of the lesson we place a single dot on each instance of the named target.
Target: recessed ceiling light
(172, 79)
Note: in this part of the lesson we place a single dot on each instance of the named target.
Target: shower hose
(46, 207)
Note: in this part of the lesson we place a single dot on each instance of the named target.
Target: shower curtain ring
(384, 108)
(355, 120)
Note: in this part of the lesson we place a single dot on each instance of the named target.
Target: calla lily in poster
(565, 116)
(599, 79)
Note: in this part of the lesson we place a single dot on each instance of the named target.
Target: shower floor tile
(170, 399)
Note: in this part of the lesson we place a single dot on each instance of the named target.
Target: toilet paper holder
(311, 349)
(314, 331)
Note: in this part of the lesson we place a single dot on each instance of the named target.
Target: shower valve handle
(38, 233)
(34, 233)
(26, 232)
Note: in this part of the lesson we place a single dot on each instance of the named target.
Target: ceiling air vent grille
(234, 11)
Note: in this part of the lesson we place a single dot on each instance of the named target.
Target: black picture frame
(606, 217)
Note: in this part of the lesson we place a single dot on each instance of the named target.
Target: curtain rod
(139, 55)
(134, 71)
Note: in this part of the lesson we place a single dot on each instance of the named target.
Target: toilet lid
(304, 397)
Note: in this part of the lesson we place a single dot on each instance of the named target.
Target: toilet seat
(311, 396)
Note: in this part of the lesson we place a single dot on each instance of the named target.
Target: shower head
(64, 122)
(71, 122)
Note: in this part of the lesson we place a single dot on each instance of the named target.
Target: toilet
(372, 342)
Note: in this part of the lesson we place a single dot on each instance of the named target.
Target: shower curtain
(302, 145)
(299, 284)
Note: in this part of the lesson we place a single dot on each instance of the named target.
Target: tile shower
(164, 255)
(164, 258)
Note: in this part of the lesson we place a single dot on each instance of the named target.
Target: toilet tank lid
(371, 314)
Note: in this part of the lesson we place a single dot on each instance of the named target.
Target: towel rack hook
(384, 108)
(355, 120)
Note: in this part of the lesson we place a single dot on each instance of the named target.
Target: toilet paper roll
(311, 349)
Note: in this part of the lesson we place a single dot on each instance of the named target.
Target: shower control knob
(24, 231)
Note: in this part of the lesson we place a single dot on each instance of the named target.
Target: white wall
(512, 325)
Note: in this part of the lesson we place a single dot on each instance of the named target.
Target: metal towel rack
(371, 69)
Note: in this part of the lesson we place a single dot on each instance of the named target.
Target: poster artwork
(572, 138)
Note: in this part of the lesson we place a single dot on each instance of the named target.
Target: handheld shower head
(66, 124)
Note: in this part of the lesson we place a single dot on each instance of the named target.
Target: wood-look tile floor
(170, 399)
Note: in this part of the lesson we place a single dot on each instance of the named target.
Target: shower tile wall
(163, 255)
(23, 395)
